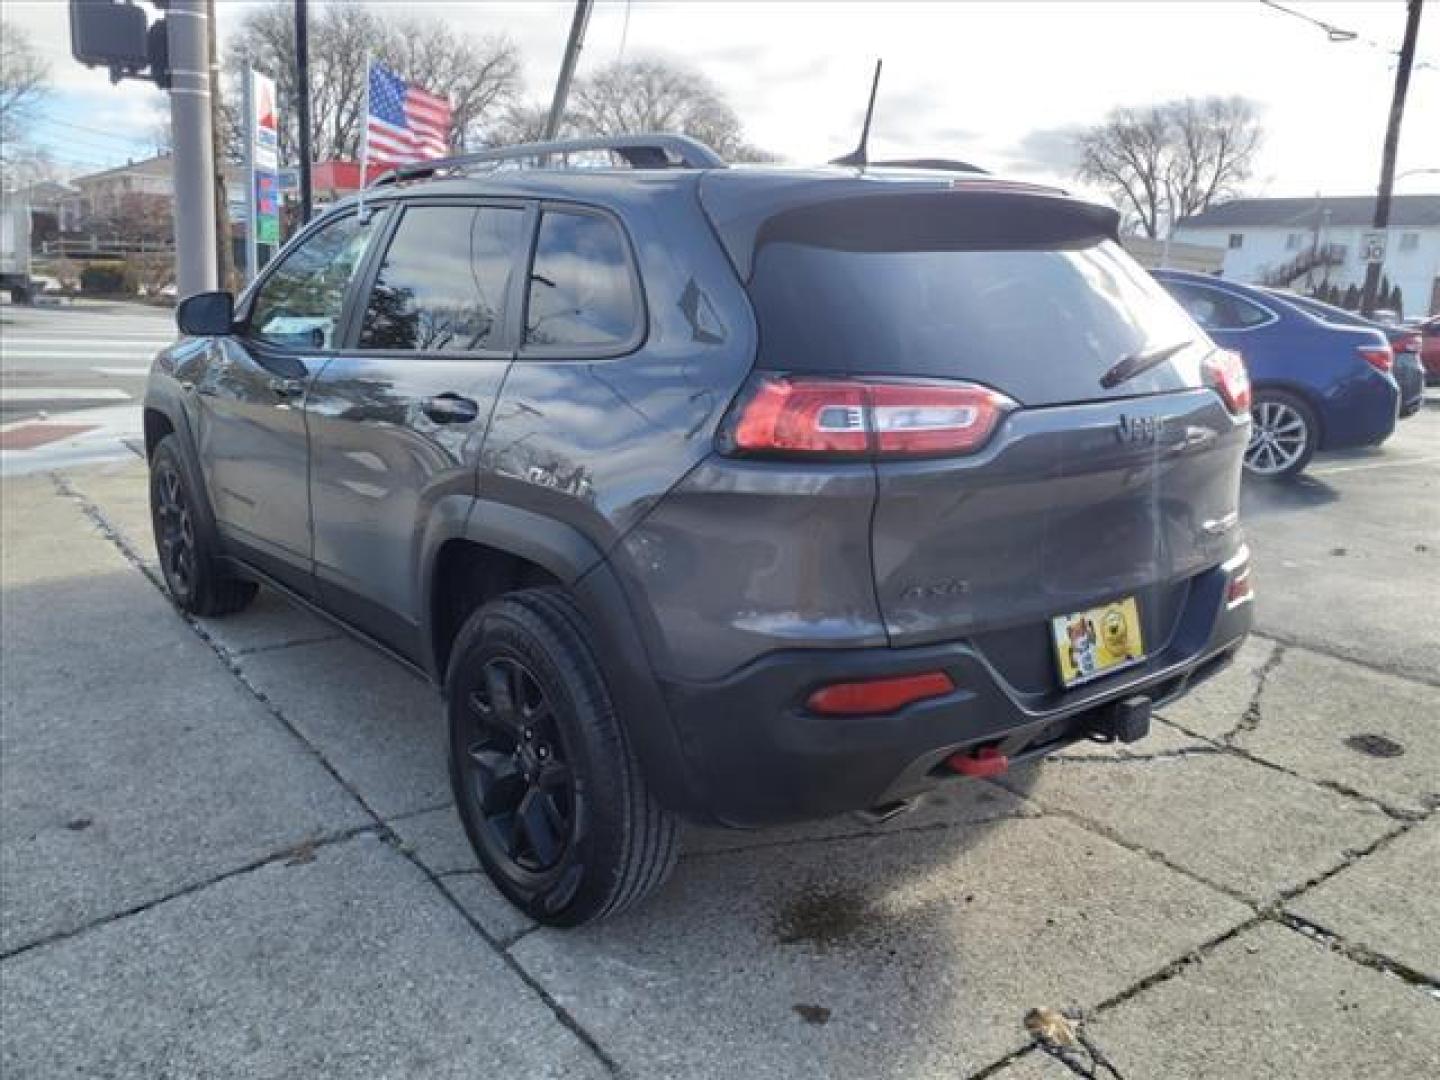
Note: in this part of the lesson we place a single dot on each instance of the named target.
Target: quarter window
(445, 279)
(581, 292)
(300, 302)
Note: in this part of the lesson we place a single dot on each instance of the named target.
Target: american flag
(404, 123)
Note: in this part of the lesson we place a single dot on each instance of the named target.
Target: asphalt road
(72, 376)
(77, 354)
(227, 849)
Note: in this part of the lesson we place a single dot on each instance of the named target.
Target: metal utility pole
(224, 251)
(567, 67)
(302, 104)
(194, 152)
(1392, 144)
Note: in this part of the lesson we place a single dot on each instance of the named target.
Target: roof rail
(941, 164)
(639, 151)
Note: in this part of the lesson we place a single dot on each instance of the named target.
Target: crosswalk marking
(100, 352)
(22, 394)
(130, 340)
(122, 372)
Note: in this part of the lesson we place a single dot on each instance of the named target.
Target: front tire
(1284, 433)
(187, 548)
(546, 784)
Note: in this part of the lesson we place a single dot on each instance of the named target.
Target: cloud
(1050, 150)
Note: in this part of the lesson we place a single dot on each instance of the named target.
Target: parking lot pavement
(228, 850)
(1348, 555)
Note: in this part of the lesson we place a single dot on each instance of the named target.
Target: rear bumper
(1364, 414)
(756, 756)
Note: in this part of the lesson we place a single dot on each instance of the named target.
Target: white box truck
(15, 249)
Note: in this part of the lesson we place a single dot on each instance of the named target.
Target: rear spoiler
(981, 215)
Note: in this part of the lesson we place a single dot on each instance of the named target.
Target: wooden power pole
(1392, 146)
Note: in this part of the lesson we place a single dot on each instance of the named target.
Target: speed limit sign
(1372, 246)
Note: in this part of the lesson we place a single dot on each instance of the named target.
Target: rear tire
(547, 786)
(1284, 433)
(188, 548)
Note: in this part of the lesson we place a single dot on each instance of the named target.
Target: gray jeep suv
(738, 495)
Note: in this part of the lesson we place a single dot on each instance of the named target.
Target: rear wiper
(1135, 363)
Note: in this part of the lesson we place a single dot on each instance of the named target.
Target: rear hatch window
(1022, 294)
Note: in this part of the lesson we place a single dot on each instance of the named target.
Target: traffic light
(116, 35)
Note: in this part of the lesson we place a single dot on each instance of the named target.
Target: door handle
(450, 409)
(286, 388)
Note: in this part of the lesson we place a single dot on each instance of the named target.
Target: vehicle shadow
(1304, 492)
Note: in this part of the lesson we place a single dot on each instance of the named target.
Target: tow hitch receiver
(986, 761)
(1126, 721)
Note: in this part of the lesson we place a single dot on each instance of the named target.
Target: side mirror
(206, 314)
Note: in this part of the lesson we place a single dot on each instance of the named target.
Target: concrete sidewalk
(227, 850)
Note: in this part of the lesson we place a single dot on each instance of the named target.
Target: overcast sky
(1002, 85)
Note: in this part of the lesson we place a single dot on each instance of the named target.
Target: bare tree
(1127, 155)
(1164, 162)
(1216, 141)
(24, 77)
(480, 76)
(653, 94)
(522, 122)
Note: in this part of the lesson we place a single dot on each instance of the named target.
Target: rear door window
(1041, 325)
(444, 281)
(581, 292)
(300, 302)
(1215, 309)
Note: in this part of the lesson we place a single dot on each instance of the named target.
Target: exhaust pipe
(878, 815)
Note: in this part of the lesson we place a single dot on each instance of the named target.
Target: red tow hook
(987, 761)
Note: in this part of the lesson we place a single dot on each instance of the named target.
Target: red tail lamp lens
(1378, 356)
(800, 415)
(1240, 589)
(878, 695)
(811, 416)
(1225, 372)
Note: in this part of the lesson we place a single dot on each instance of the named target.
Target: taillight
(1378, 356)
(878, 695)
(1408, 343)
(1238, 588)
(1225, 373)
(782, 414)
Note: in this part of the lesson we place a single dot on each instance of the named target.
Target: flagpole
(364, 146)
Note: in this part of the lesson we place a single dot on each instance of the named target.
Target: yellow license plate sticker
(1092, 643)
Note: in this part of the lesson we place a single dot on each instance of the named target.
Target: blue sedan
(1317, 386)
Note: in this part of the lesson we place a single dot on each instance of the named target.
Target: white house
(1301, 242)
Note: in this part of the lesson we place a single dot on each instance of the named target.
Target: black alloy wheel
(515, 765)
(174, 531)
(199, 581)
(547, 786)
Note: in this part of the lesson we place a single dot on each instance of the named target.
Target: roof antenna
(859, 157)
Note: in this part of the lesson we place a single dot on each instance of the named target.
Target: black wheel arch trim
(575, 561)
(168, 403)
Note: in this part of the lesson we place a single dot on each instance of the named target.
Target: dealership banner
(262, 151)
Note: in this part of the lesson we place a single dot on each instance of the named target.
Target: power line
(1335, 33)
(1339, 34)
(91, 130)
